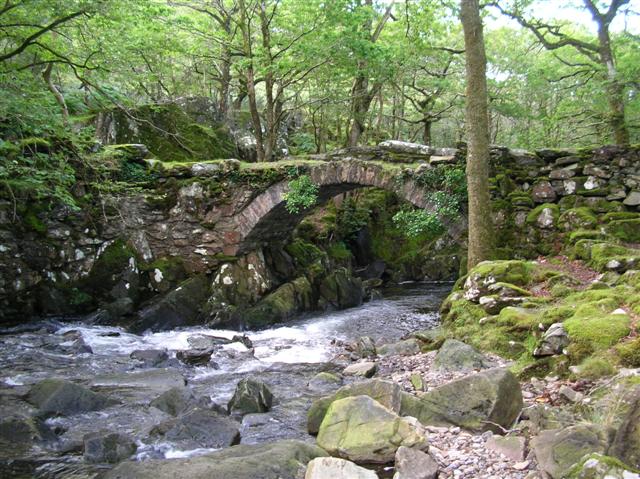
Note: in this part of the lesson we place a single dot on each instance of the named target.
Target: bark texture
(477, 128)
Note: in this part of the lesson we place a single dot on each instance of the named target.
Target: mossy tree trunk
(480, 227)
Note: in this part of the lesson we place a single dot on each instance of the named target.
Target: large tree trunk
(480, 227)
(615, 90)
(426, 131)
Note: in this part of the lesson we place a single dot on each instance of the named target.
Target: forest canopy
(343, 72)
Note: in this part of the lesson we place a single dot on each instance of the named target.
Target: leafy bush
(417, 222)
(351, 218)
(302, 143)
(303, 194)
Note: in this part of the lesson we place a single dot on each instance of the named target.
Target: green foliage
(339, 251)
(351, 218)
(302, 143)
(417, 222)
(302, 194)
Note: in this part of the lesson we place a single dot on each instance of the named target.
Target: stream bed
(285, 357)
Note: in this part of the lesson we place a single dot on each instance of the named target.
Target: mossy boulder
(303, 253)
(56, 397)
(489, 400)
(598, 466)
(558, 450)
(362, 430)
(544, 216)
(283, 304)
(455, 355)
(384, 392)
(627, 230)
(341, 290)
(488, 273)
(578, 218)
(626, 443)
(275, 460)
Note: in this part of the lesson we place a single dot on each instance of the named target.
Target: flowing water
(285, 357)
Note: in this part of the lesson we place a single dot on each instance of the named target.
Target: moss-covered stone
(281, 305)
(304, 253)
(627, 230)
(578, 218)
(544, 216)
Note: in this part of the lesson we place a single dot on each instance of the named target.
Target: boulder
(414, 464)
(365, 369)
(365, 347)
(558, 450)
(323, 381)
(455, 355)
(489, 400)
(251, 395)
(336, 468)
(175, 401)
(406, 347)
(597, 466)
(384, 392)
(206, 341)
(281, 305)
(489, 273)
(341, 290)
(195, 357)
(278, 460)
(626, 443)
(108, 447)
(58, 397)
(362, 430)
(200, 428)
(144, 383)
(19, 433)
(553, 342)
(150, 358)
(511, 447)
(180, 307)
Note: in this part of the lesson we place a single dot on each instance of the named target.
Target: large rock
(250, 396)
(626, 444)
(363, 430)
(200, 428)
(364, 369)
(384, 392)
(19, 433)
(488, 273)
(554, 340)
(180, 307)
(175, 401)
(281, 305)
(341, 290)
(597, 466)
(414, 464)
(558, 450)
(150, 358)
(195, 357)
(488, 400)
(335, 468)
(455, 355)
(406, 347)
(108, 446)
(278, 460)
(58, 397)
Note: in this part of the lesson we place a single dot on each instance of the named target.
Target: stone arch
(265, 219)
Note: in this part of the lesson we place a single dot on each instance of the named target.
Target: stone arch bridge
(220, 212)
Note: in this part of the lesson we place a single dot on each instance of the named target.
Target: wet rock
(195, 357)
(335, 468)
(150, 358)
(365, 369)
(323, 381)
(342, 290)
(489, 400)
(281, 305)
(406, 347)
(206, 341)
(362, 430)
(414, 464)
(251, 395)
(455, 355)
(180, 307)
(553, 342)
(365, 347)
(59, 397)
(384, 392)
(108, 447)
(142, 383)
(558, 450)
(244, 339)
(19, 433)
(175, 401)
(277, 460)
(200, 428)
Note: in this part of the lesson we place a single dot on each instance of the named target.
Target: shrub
(303, 194)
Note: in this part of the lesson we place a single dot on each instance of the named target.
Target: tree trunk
(46, 76)
(426, 131)
(480, 227)
(615, 90)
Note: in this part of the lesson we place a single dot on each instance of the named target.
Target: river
(285, 357)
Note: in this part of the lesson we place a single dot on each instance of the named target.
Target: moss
(580, 234)
(629, 353)
(113, 260)
(339, 251)
(304, 253)
(172, 268)
(627, 230)
(575, 218)
(600, 205)
(596, 368)
(512, 271)
(517, 319)
(560, 290)
(520, 198)
(602, 253)
(619, 215)
(532, 217)
(34, 223)
(595, 329)
(462, 311)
